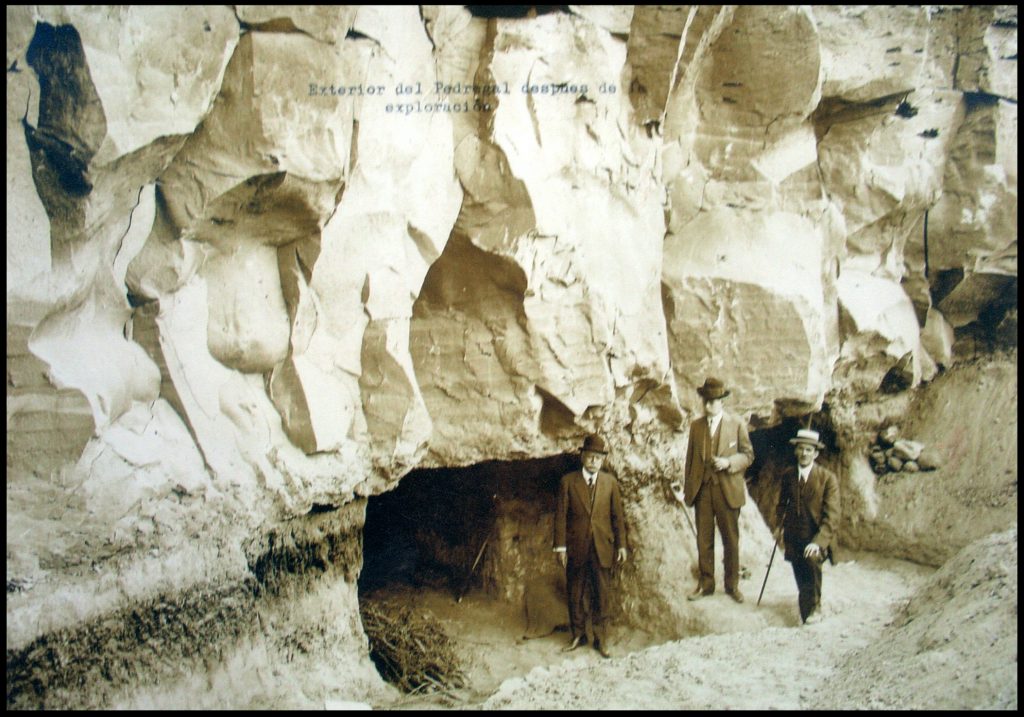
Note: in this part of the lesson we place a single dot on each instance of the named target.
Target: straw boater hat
(805, 435)
(712, 389)
(595, 444)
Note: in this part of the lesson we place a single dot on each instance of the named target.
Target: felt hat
(712, 389)
(595, 444)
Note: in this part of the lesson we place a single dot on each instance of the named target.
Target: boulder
(907, 450)
(888, 436)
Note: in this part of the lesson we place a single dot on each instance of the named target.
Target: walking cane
(775, 546)
(761, 594)
(676, 491)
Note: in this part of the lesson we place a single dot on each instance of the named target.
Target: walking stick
(775, 546)
(761, 594)
(676, 491)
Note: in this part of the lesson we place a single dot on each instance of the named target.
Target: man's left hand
(812, 551)
(621, 557)
(721, 464)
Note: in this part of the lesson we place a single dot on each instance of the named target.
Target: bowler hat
(595, 444)
(712, 389)
(805, 435)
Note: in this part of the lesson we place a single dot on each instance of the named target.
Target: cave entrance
(470, 548)
(773, 453)
(430, 531)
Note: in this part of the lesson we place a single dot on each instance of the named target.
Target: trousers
(807, 572)
(589, 585)
(711, 508)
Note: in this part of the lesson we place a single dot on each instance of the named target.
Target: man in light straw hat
(718, 452)
(590, 537)
(807, 516)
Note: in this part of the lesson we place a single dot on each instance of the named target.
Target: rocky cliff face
(264, 261)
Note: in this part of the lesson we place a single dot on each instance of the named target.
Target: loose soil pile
(954, 646)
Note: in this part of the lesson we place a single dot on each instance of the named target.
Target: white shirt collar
(713, 422)
(589, 477)
(804, 473)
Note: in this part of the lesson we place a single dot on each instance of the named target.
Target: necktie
(800, 498)
(711, 471)
(801, 485)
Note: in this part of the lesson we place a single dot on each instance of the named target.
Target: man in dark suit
(807, 517)
(590, 536)
(717, 454)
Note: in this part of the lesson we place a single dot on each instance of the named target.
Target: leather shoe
(578, 641)
(697, 595)
(736, 595)
(605, 652)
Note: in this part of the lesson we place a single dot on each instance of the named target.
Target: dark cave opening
(482, 531)
(437, 523)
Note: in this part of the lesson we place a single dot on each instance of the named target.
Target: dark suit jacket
(576, 523)
(820, 497)
(733, 443)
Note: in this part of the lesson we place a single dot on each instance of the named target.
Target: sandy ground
(762, 658)
(954, 646)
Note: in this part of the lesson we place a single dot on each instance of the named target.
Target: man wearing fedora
(807, 517)
(590, 536)
(717, 454)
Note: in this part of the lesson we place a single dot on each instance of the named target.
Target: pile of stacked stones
(892, 454)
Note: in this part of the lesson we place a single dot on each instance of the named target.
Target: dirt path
(762, 659)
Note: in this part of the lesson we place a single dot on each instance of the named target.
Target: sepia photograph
(512, 357)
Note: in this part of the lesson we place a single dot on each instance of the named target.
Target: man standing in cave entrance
(718, 453)
(590, 536)
(806, 520)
